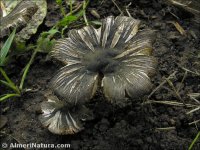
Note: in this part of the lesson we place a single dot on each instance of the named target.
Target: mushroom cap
(117, 52)
(62, 119)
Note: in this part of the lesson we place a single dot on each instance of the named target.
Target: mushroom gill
(60, 118)
(117, 55)
(116, 52)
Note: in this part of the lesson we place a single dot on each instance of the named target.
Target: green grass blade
(14, 87)
(6, 47)
(85, 3)
(26, 69)
(5, 76)
(194, 141)
(11, 84)
(6, 96)
(6, 84)
(70, 7)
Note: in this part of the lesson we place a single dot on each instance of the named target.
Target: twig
(162, 83)
(185, 69)
(84, 13)
(193, 110)
(173, 14)
(174, 90)
(172, 103)
(178, 27)
(173, 128)
(167, 128)
(193, 96)
(184, 76)
(75, 10)
(121, 12)
(127, 11)
(194, 122)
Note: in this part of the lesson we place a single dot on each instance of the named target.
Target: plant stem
(84, 12)
(5, 76)
(15, 88)
(71, 7)
(9, 83)
(172, 103)
(171, 76)
(194, 141)
(8, 96)
(27, 69)
(62, 10)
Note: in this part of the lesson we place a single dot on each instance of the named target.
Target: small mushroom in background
(24, 15)
(60, 118)
(116, 56)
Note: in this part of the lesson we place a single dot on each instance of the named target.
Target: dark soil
(134, 126)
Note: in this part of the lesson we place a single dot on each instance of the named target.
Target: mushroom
(24, 15)
(60, 117)
(116, 55)
(116, 52)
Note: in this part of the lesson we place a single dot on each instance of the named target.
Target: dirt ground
(137, 125)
